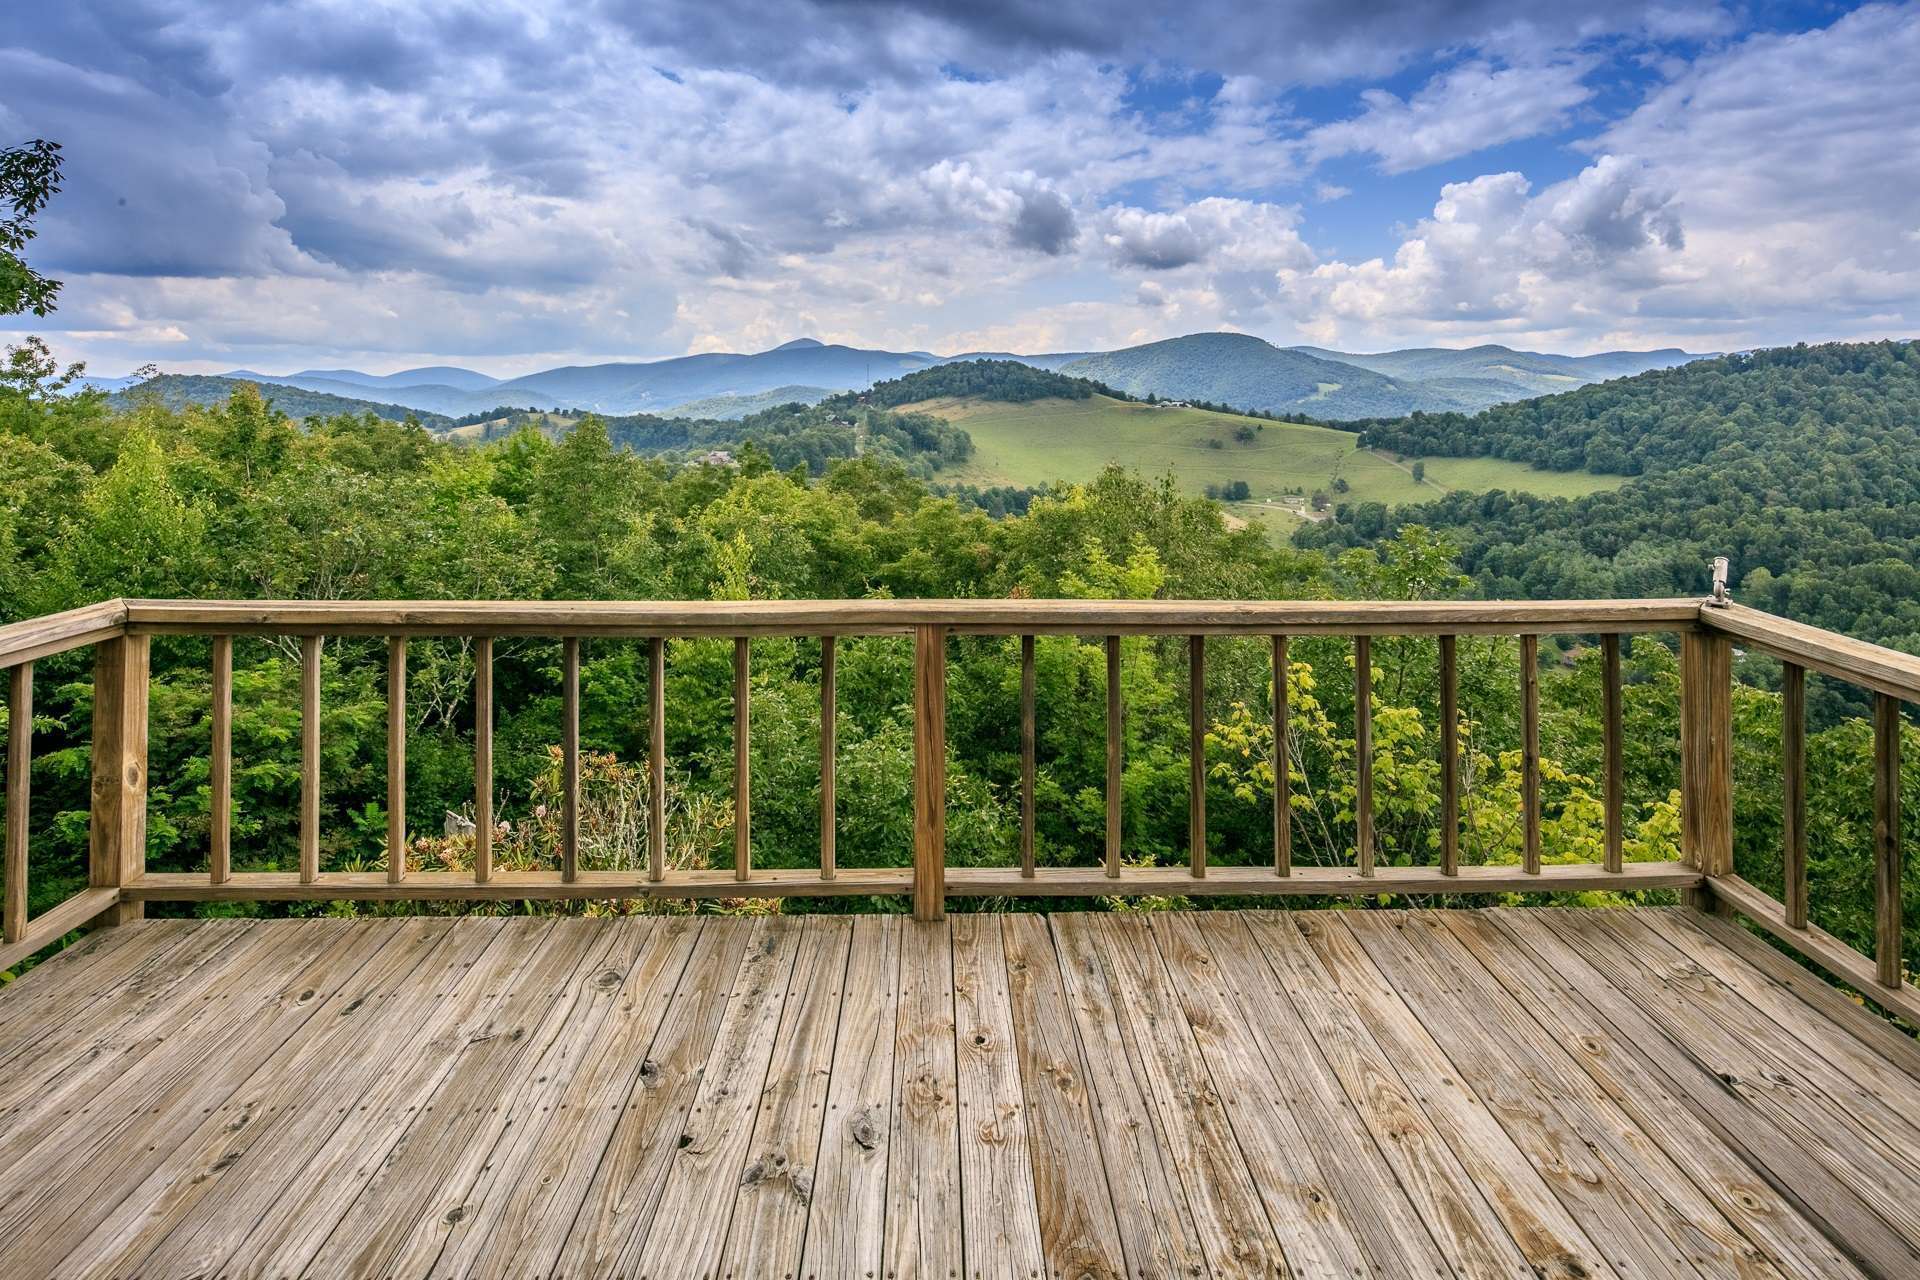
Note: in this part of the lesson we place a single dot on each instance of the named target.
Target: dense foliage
(238, 501)
(1006, 380)
(1801, 464)
(177, 390)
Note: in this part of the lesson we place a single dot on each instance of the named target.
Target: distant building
(718, 458)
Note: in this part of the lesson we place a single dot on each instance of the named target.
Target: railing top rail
(855, 617)
(33, 638)
(1870, 666)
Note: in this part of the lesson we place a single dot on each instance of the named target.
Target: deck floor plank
(1526, 1205)
(704, 1174)
(774, 1190)
(1774, 1141)
(373, 1139)
(847, 1214)
(1157, 1233)
(310, 1149)
(1177, 1094)
(401, 1221)
(1635, 1085)
(530, 1213)
(209, 1108)
(1079, 1235)
(1234, 1232)
(1611, 1176)
(922, 1238)
(1754, 1058)
(1000, 1219)
(632, 1164)
(1302, 1081)
(1447, 1196)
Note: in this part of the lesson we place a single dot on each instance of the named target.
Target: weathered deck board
(1416, 1094)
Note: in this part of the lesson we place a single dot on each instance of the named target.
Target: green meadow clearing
(1026, 444)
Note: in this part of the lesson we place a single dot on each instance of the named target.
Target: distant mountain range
(1224, 368)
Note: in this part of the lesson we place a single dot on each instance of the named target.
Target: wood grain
(742, 761)
(482, 759)
(396, 762)
(19, 797)
(1282, 763)
(829, 736)
(1888, 881)
(1027, 754)
(1363, 753)
(570, 758)
(1613, 754)
(117, 823)
(1116, 744)
(1793, 791)
(1449, 756)
(1530, 752)
(220, 764)
(311, 782)
(929, 774)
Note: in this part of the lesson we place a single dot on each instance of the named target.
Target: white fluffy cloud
(1462, 110)
(1766, 193)
(529, 183)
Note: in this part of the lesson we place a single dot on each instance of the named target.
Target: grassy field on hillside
(1073, 439)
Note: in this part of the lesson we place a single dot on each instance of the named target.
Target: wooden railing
(121, 631)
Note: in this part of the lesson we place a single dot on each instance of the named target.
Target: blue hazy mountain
(1224, 368)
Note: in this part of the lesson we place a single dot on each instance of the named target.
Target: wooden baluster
(829, 738)
(1706, 757)
(1026, 755)
(656, 759)
(1611, 734)
(396, 759)
(1530, 751)
(742, 766)
(19, 797)
(1449, 756)
(1886, 840)
(117, 822)
(570, 759)
(1363, 751)
(1282, 765)
(1114, 745)
(309, 759)
(220, 768)
(929, 773)
(1197, 755)
(1793, 791)
(483, 759)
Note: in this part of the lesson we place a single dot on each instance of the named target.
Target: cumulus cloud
(319, 181)
(1464, 109)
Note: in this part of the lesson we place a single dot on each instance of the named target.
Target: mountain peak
(800, 344)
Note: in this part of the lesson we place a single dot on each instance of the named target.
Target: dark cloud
(1045, 222)
(1306, 41)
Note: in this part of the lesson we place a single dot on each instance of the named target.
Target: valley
(1282, 463)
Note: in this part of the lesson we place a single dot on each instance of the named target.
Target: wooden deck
(1205, 1093)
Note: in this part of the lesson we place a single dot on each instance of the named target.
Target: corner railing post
(118, 826)
(929, 773)
(1706, 756)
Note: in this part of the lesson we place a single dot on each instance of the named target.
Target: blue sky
(514, 185)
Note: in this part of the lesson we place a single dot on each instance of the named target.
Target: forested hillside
(239, 501)
(177, 390)
(1802, 464)
(1003, 380)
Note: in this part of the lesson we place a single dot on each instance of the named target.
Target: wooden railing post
(118, 827)
(1706, 756)
(19, 798)
(929, 773)
(1887, 876)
